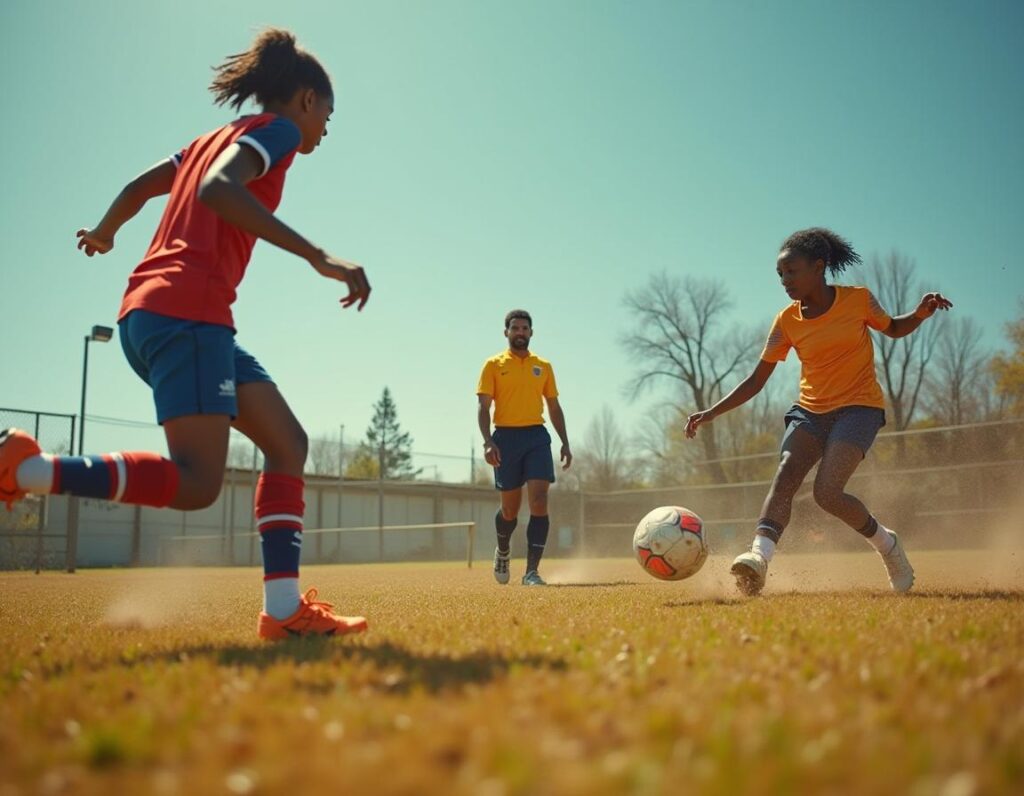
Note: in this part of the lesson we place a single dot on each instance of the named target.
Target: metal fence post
(72, 546)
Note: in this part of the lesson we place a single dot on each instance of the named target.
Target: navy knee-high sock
(504, 528)
(536, 538)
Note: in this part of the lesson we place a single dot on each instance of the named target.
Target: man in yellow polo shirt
(518, 383)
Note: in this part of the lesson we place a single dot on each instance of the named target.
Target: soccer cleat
(312, 619)
(500, 566)
(15, 446)
(750, 571)
(901, 574)
(533, 578)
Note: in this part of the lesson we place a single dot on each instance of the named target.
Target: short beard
(519, 345)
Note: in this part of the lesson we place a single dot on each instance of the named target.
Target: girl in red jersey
(841, 407)
(178, 334)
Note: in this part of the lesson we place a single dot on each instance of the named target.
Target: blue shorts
(192, 367)
(857, 425)
(525, 456)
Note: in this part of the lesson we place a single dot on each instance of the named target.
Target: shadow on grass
(395, 668)
(611, 584)
(997, 595)
(699, 602)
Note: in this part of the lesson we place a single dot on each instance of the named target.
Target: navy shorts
(192, 367)
(525, 456)
(858, 425)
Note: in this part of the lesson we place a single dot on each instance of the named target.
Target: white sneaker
(901, 574)
(500, 566)
(750, 571)
(533, 578)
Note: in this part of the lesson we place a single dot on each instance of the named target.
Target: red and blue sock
(136, 477)
(279, 510)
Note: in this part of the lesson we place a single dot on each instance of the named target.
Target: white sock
(36, 475)
(281, 597)
(883, 541)
(764, 547)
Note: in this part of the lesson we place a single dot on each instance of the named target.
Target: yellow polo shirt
(518, 386)
(836, 354)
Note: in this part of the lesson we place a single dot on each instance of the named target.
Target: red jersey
(197, 259)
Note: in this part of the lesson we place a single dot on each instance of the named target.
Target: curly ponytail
(271, 70)
(819, 243)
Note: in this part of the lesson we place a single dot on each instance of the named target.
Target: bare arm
(558, 421)
(742, 393)
(483, 418)
(902, 325)
(154, 181)
(223, 191)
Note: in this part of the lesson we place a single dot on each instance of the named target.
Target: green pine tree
(386, 445)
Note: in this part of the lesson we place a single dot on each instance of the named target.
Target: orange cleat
(15, 446)
(312, 619)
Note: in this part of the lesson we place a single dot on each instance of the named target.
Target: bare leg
(511, 500)
(198, 445)
(840, 461)
(801, 453)
(537, 497)
(265, 418)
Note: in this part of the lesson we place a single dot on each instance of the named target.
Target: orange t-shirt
(836, 354)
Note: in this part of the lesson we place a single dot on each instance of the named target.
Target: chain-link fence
(952, 486)
(27, 541)
(957, 486)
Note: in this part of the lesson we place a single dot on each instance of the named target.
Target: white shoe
(500, 566)
(750, 571)
(533, 578)
(901, 574)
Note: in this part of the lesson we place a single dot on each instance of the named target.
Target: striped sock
(279, 509)
(767, 536)
(880, 537)
(135, 477)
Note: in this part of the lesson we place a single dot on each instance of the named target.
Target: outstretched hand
(695, 420)
(92, 242)
(351, 274)
(931, 303)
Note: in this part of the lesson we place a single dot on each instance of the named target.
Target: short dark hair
(823, 244)
(271, 70)
(521, 314)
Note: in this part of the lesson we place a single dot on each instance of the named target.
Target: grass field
(151, 681)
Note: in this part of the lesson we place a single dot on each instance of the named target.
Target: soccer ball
(669, 543)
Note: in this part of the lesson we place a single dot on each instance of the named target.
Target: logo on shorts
(537, 370)
(227, 388)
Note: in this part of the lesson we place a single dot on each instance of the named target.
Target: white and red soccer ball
(669, 543)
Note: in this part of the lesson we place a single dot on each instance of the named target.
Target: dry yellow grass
(151, 681)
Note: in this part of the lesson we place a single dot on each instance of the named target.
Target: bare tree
(1007, 369)
(666, 455)
(240, 453)
(903, 363)
(678, 339)
(957, 379)
(604, 462)
(324, 455)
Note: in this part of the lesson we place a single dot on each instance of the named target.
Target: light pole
(100, 334)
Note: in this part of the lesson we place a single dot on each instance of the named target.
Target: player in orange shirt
(841, 407)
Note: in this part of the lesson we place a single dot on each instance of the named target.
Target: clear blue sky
(485, 155)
